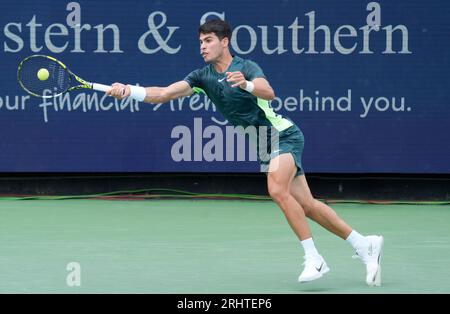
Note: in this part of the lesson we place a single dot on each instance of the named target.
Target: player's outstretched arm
(151, 94)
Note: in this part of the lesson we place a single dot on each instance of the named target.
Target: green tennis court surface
(210, 246)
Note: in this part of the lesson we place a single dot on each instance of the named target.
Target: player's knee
(278, 193)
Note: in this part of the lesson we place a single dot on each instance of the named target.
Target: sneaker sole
(319, 275)
(377, 280)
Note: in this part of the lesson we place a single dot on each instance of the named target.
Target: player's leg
(281, 173)
(318, 211)
(368, 248)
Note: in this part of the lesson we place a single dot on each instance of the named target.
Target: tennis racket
(46, 77)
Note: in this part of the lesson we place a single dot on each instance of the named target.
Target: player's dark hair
(219, 27)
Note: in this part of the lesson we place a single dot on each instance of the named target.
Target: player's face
(211, 47)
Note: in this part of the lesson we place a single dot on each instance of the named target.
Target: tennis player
(240, 90)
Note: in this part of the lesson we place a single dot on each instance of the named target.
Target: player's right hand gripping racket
(44, 76)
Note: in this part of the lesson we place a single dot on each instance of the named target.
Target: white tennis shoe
(371, 256)
(315, 267)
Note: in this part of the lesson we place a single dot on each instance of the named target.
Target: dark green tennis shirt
(238, 106)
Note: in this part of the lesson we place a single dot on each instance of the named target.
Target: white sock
(357, 240)
(309, 247)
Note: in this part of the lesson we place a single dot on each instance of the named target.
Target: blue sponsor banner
(367, 82)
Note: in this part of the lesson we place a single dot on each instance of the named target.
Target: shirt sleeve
(253, 70)
(193, 79)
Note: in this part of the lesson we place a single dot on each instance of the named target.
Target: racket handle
(100, 87)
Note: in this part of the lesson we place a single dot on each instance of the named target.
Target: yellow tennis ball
(43, 74)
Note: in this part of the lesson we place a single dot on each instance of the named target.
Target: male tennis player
(240, 90)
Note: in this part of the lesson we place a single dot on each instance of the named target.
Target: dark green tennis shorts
(290, 141)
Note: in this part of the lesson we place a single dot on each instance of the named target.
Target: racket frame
(83, 83)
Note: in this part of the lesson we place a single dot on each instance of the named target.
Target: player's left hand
(237, 78)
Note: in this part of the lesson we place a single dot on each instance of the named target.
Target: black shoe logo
(320, 268)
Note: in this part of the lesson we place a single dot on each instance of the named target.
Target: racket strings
(58, 80)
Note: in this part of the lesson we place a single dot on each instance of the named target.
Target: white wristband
(250, 87)
(138, 92)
